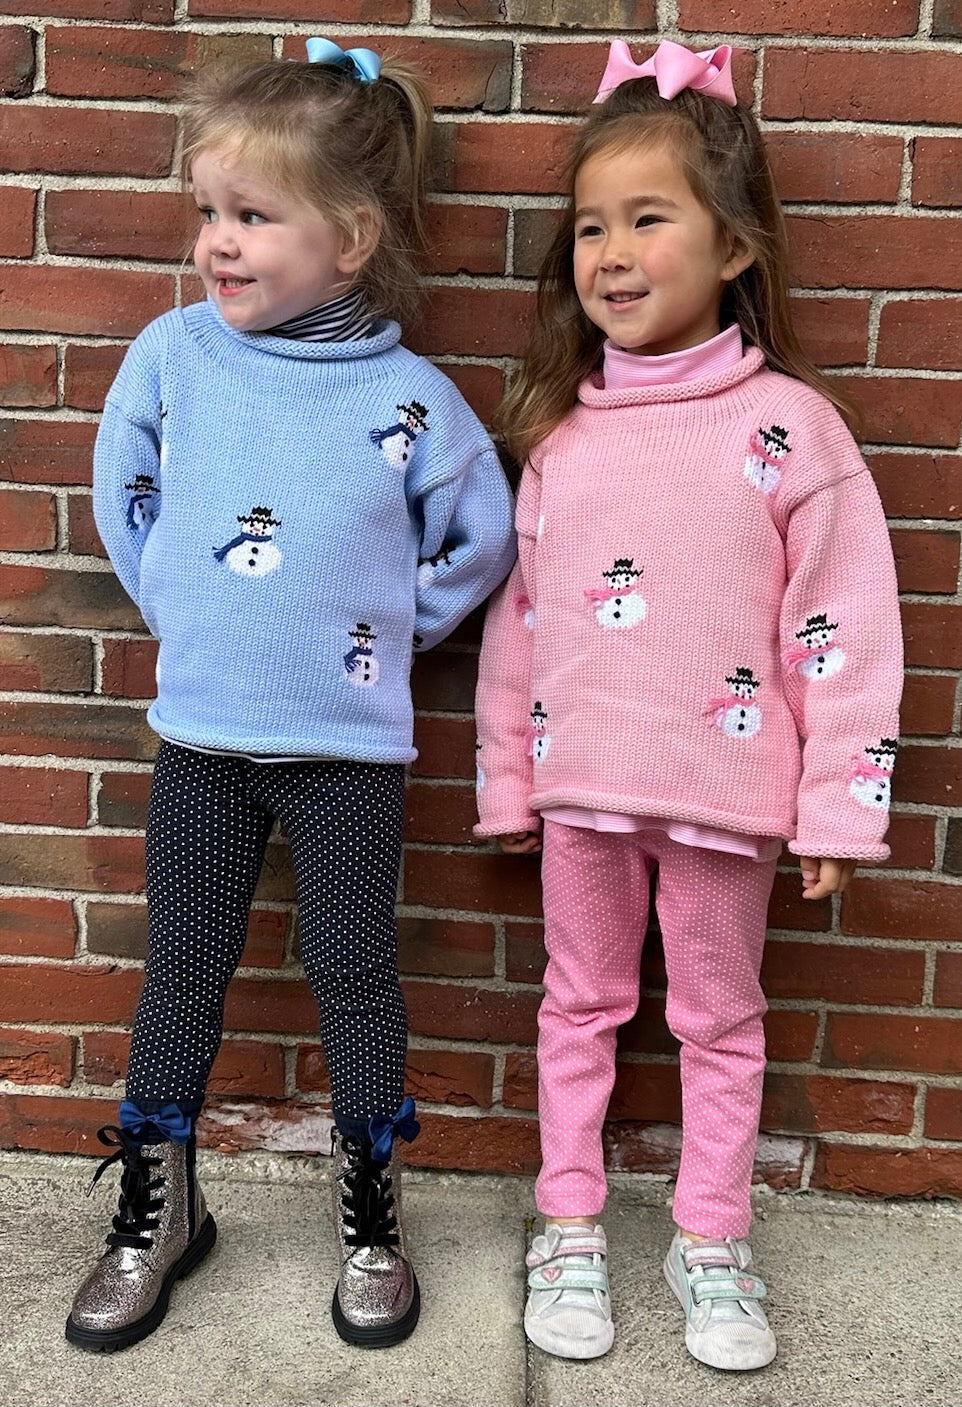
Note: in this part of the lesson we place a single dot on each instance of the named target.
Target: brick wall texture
(861, 101)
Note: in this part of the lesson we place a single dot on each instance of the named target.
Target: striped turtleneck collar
(344, 319)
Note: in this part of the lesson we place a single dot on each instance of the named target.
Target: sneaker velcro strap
(737, 1286)
(554, 1276)
(715, 1256)
(590, 1246)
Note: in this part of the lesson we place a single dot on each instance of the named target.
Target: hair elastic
(673, 67)
(362, 64)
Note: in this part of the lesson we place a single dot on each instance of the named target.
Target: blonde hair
(725, 162)
(355, 151)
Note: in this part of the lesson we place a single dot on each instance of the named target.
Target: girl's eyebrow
(238, 194)
(630, 202)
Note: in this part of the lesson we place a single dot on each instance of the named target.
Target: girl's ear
(740, 257)
(360, 242)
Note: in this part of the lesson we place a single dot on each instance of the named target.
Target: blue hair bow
(385, 1127)
(364, 64)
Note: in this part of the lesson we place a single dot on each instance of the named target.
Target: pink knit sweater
(703, 621)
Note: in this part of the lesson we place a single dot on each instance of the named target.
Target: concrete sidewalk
(865, 1300)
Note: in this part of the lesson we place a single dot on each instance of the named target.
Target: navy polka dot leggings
(208, 823)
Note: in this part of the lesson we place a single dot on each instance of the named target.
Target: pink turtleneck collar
(622, 370)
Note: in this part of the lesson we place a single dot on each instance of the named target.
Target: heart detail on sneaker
(551, 1272)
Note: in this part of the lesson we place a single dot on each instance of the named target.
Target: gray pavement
(864, 1296)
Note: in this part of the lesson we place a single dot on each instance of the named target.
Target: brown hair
(345, 146)
(725, 162)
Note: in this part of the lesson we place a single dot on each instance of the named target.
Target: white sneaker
(720, 1293)
(568, 1312)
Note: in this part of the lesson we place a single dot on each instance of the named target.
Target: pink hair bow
(673, 67)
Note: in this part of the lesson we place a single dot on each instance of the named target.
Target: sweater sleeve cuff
(511, 825)
(865, 852)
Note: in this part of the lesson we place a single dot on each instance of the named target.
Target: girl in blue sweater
(296, 503)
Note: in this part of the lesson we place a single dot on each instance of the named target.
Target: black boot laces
(367, 1201)
(136, 1217)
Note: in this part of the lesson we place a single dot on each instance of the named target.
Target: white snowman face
(885, 760)
(619, 581)
(816, 639)
(256, 527)
(743, 690)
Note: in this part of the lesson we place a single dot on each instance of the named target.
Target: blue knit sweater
(294, 519)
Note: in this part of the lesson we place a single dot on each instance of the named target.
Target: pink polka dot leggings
(712, 909)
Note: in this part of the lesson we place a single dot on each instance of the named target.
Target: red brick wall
(862, 102)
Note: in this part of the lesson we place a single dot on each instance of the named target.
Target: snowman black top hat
(415, 412)
(814, 625)
(624, 566)
(775, 437)
(742, 675)
(264, 516)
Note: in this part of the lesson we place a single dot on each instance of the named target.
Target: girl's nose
(615, 254)
(223, 238)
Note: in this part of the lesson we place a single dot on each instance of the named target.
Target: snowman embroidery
(360, 663)
(767, 451)
(480, 778)
(539, 739)
(871, 780)
(816, 656)
(525, 610)
(143, 505)
(736, 714)
(428, 566)
(396, 441)
(619, 604)
(252, 552)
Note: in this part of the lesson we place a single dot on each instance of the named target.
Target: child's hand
(823, 877)
(520, 843)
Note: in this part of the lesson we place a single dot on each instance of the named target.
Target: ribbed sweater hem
(305, 748)
(652, 805)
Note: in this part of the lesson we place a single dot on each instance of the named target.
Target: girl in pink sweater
(696, 660)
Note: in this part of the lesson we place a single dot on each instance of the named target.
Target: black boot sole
(377, 1336)
(113, 1340)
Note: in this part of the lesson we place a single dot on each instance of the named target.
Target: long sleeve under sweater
(294, 519)
(702, 623)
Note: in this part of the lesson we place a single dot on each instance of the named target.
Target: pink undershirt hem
(755, 847)
(626, 369)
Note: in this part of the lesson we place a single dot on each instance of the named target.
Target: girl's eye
(589, 230)
(252, 217)
(644, 221)
(207, 215)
